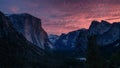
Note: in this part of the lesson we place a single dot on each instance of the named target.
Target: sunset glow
(63, 16)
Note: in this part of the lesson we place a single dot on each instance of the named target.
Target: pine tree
(94, 60)
(115, 59)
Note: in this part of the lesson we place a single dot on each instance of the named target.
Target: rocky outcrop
(105, 32)
(99, 27)
(53, 38)
(15, 50)
(31, 28)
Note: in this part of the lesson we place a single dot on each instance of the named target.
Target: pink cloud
(14, 9)
(62, 16)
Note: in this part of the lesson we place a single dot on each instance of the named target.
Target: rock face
(106, 33)
(53, 38)
(99, 27)
(71, 39)
(31, 28)
(15, 50)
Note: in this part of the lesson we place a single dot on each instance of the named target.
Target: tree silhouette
(94, 59)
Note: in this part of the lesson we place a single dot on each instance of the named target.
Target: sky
(63, 16)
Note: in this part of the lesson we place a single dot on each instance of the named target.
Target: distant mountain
(99, 27)
(31, 28)
(53, 38)
(106, 33)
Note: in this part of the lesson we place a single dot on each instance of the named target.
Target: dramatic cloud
(62, 16)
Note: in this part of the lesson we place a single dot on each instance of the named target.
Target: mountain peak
(116, 23)
(105, 22)
(1, 13)
(99, 27)
(93, 24)
(26, 15)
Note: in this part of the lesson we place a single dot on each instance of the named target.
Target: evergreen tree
(115, 59)
(94, 59)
